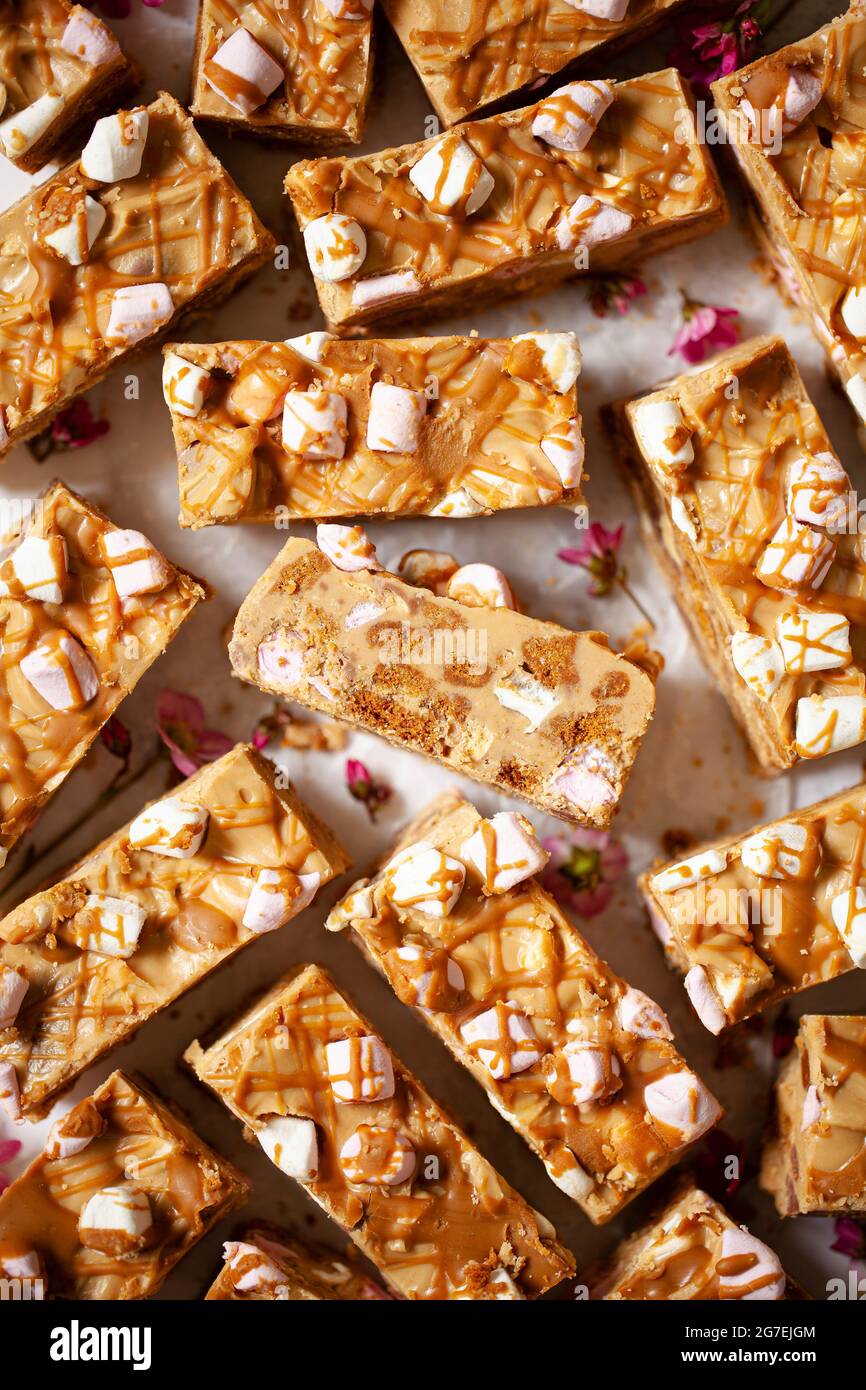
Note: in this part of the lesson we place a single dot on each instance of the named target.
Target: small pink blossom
(598, 554)
(583, 867)
(850, 1238)
(9, 1149)
(615, 292)
(117, 738)
(706, 328)
(360, 785)
(722, 42)
(74, 428)
(180, 724)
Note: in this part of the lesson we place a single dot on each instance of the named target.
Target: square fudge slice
(61, 67)
(483, 52)
(795, 122)
(333, 1108)
(110, 254)
(267, 1264)
(550, 715)
(692, 1250)
(294, 70)
(594, 176)
(581, 1065)
(194, 878)
(753, 521)
(455, 426)
(85, 608)
(123, 1189)
(753, 919)
(815, 1159)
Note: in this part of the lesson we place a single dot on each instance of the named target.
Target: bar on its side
(267, 1264)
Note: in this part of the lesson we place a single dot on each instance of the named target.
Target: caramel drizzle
(695, 1269)
(837, 1167)
(32, 61)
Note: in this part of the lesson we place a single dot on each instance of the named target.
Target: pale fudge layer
(59, 64)
(592, 177)
(85, 608)
(224, 858)
(484, 51)
(123, 1189)
(754, 521)
(752, 919)
(284, 69)
(108, 255)
(269, 1265)
(456, 426)
(815, 1159)
(581, 1065)
(796, 121)
(375, 1151)
(552, 716)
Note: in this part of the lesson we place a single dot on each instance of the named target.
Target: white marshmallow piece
(425, 879)
(574, 1181)
(291, 1145)
(357, 905)
(242, 57)
(641, 1016)
(251, 1268)
(282, 659)
(116, 147)
(428, 992)
(27, 1265)
(855, 390)
(813, 1110)
(589, 222)
(848, 911)
(74, 239)
(394, 422)
(277, 896)
(663, 436)
(86, 38)
(348, 9)
(20, 131)
(459, 505)
(505, 851)
(183, 385)
(681, 1102)
(567, 119)
(137, 311)
(310, 346)
(40, 565)
(378, 289)
(565, 449)
(759, 662)
(819, 491)
(611, 10)
(362, 614)
(450, 177)
(360, 1070)
(748, 1270)
(347, 547)
(779, 851)
(480, 586)
(705, 1001)
(503, 1039)
(802, 94)
(829, 723)
(109, 926)
(558, 364)
(10, 1095)
(379, 1156)
(173, 828)
(13, 989)
(60, 670)
(136, 567)
(586, 1072)
(336, 247)
(121, 1209)
(706, 864)
(797, 557)
(852, 312)
(61, 1145)
(314, 424)
(813, 641)
(587, 779)
(526, 695)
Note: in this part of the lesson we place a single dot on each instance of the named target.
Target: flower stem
(629, 593)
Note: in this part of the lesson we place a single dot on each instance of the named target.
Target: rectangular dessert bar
(753, 521)
(110, 254)
(194, 878)
(452, 426)
(794, 121)
(692, 1250)
(61, 66)
(815, 1159)
(123, 1189)
(333, 1108)
(550, 715)
(581, 1065)
(85, 608)
(267, 1264)
(478, 54)
(752, 919)
(284, 69)
(595, 176)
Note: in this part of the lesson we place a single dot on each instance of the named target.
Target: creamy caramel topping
(305, 1273)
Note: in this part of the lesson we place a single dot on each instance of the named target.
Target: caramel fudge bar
(85, 608)
(315, 427)
(816, 1157)
(539, 712)
(581, 1065)
(333, 1108)
(194, 878)
(753, 520)
(479, 53)
(692, 1250)
(60, 65)
(595, 176)
(795, 122)
(110, 253)
(284, 69)
(123, 1189)
(750, 920)
(267, 1264)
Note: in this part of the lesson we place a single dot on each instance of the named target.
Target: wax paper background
(692, 772)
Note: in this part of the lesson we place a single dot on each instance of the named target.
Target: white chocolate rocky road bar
(85, 608)
(795, 120)
(316, 428)
(593, 177)
(332, 1107)
(578, 1062)
(815, 1158)
(692, 1250)
(110, 254)
(550, 715)
(195, 877)
(285, 70)
(266, 1264)
(752, 919)
(754, 521)
(477, 54)
(123, 1189)
(60, 65)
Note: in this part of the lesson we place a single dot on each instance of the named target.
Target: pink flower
(615, 292)
(180, 725)
(9, 1149)
(74, 428)
(850, 1238)
(598, 555)
(360, 785)
(121, 9)
(706, 327)
(117, 738)
(722, 42)
(584, 865)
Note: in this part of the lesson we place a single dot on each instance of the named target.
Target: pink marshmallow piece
(762, 1280)
(136, 567)
(680, 1101)
(85, 38)
(137, 311)
(705, 1001)
(60, 670)
(379, 288)
(802, 95)
(10, 1096)
(13, 988)
(282, 658)
(642, 1016)
(245, 59)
